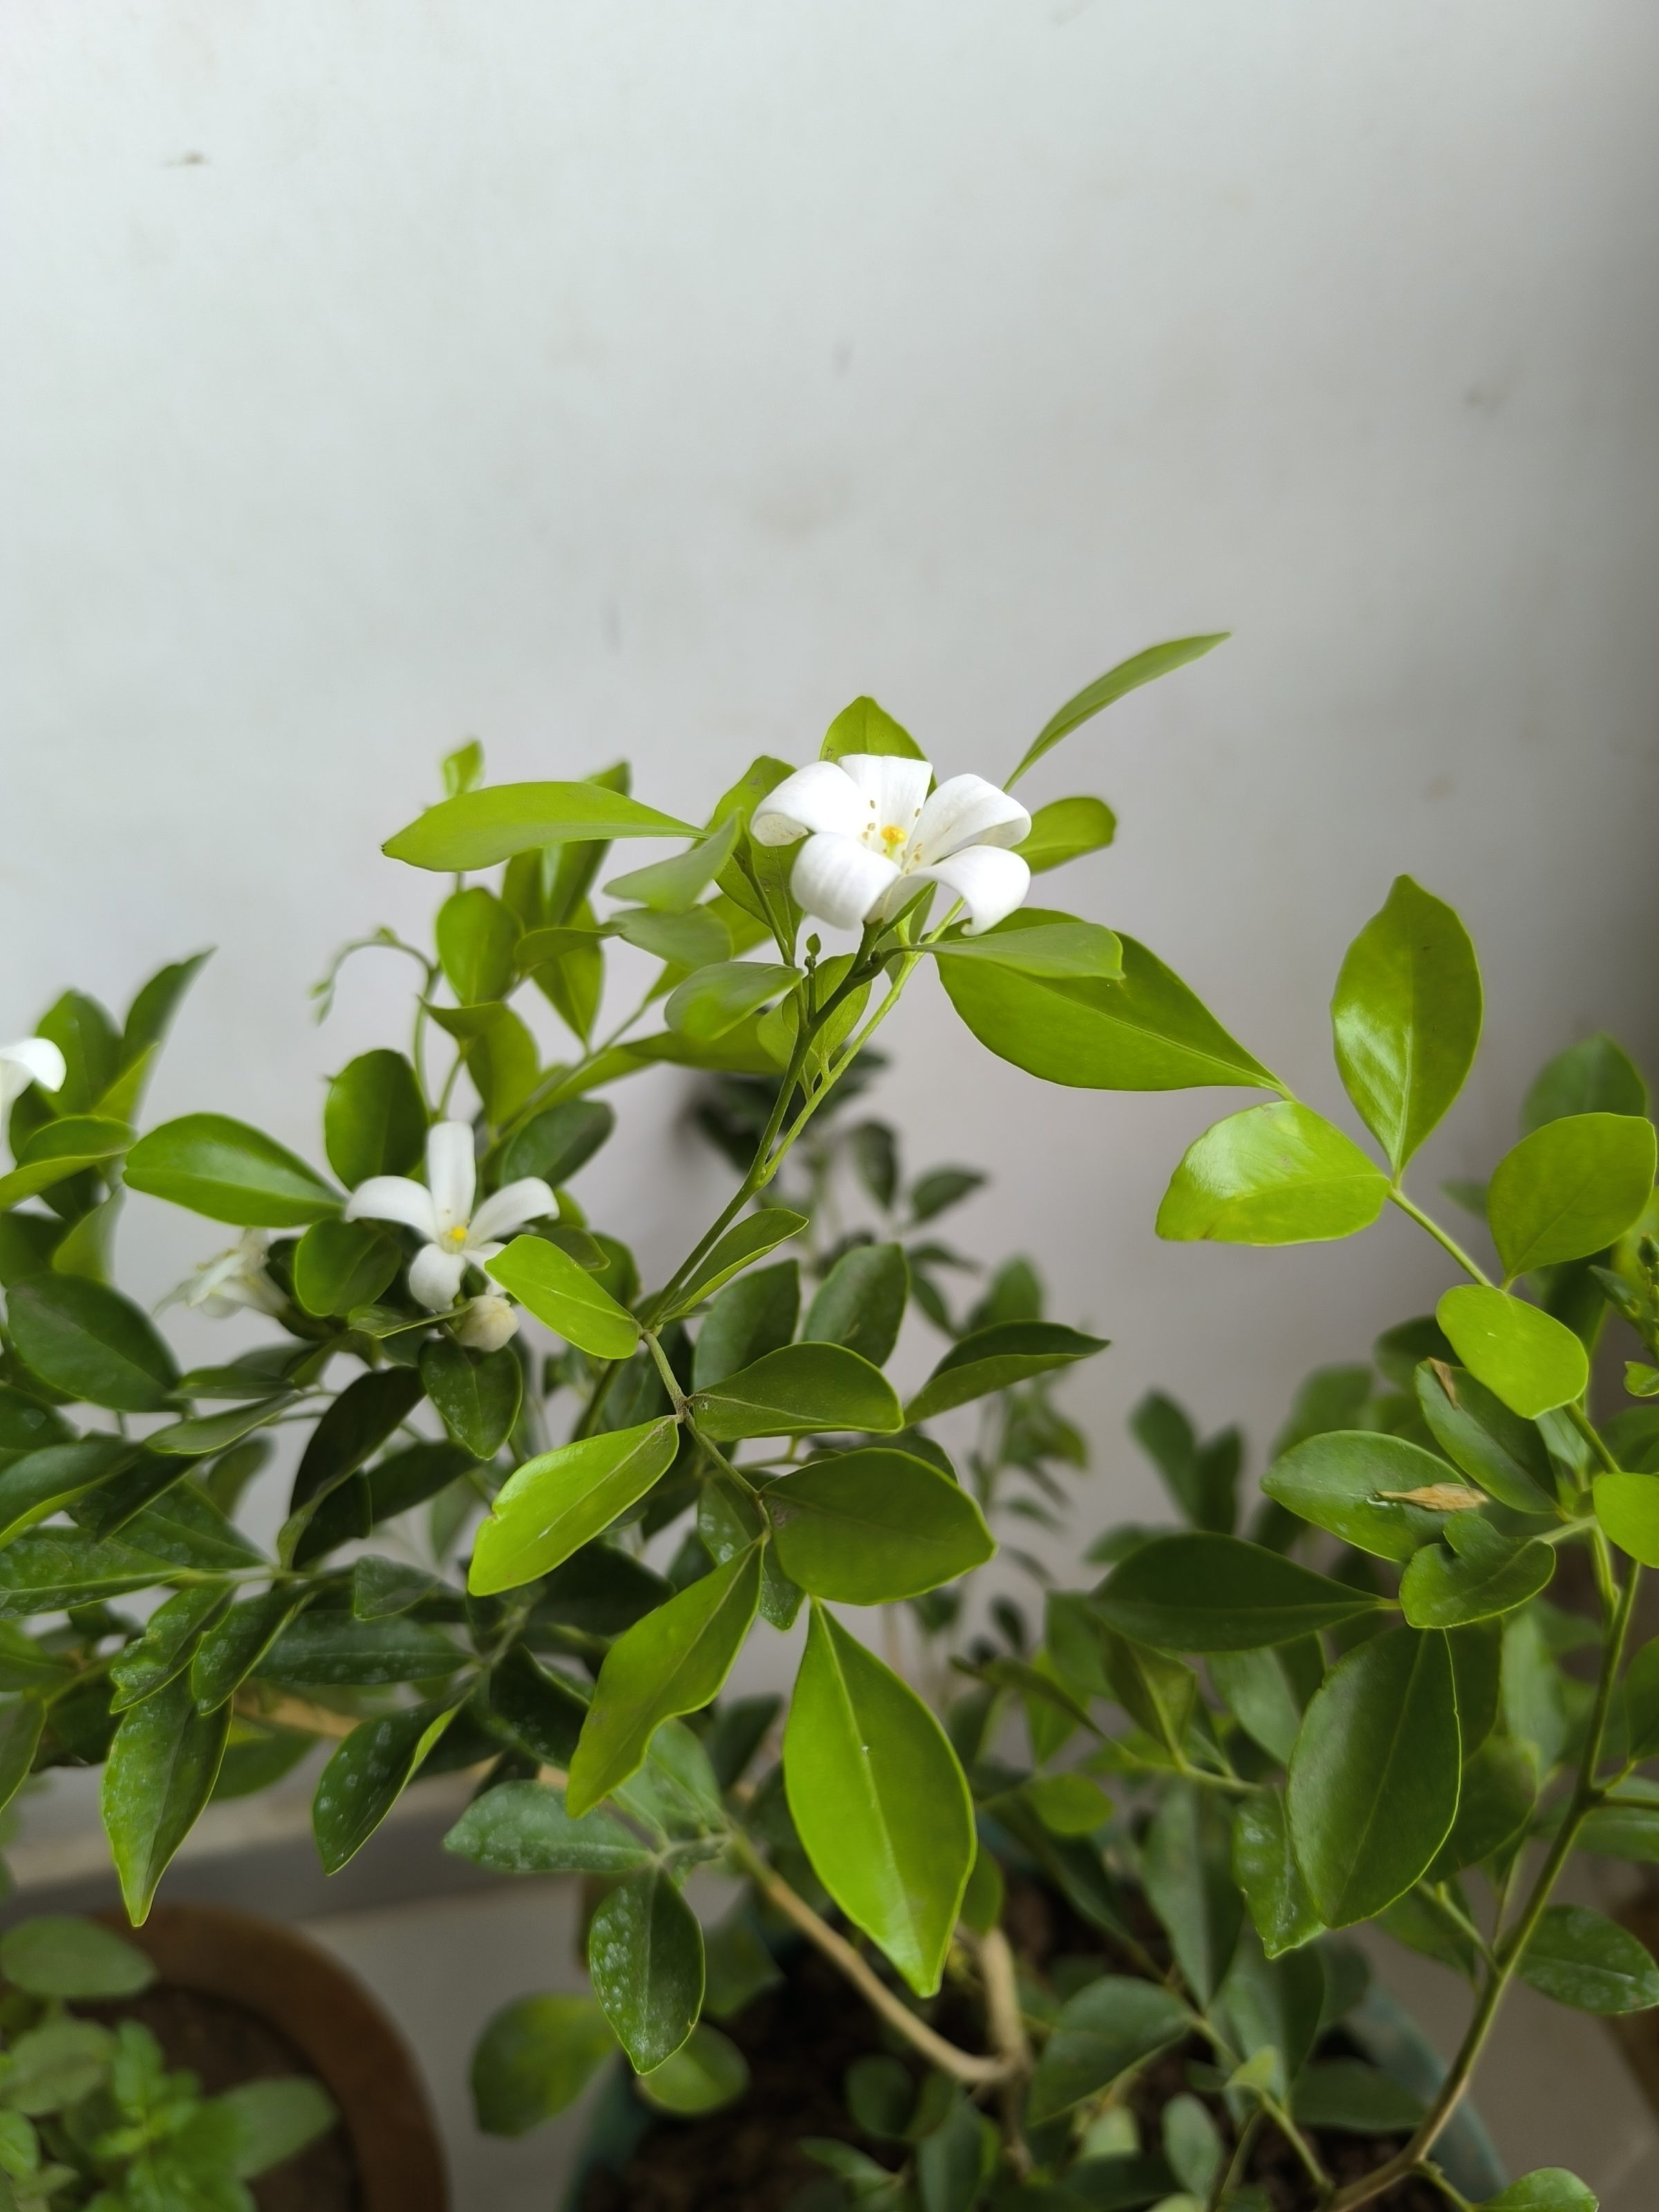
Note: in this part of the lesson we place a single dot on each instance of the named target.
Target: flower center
(892, 836)
(456, 1235)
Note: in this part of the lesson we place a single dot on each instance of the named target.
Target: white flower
(873, 834)
(486, 1323)
(440, 1210)
(235, 1280)
(32, 1060)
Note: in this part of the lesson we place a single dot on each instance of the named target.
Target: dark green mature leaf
(25, 1427)
(1205, 1593)
(22, 1722)
(1065, 829)
(1265, 1868)
(745, 1241)
(476, 1394)
(871, 1527)
(994, 1358)
(1201, 1479)
(1595, 1077)
(1483, 1576)
(1267, 1692)
(534, 2059)
(38, 1483)
(707, 2072)
(1570, 1188)
(1582, 1958)
(408, 1478)
(46, 1569)
(1273, 1174)
(673, 1662)
(1524, 1357)
(1127, 676)
(233, 1648)
(1500, 1784)
(90, 1343)
(553, 1505)
(1406, 1018)
(367, 1775)
(555, 1143)
(1148, 1032)
(1504, 1454)
(161, 1771)
(338, 1265)
(522, 1827)
(1641, 1703)
(751, 1316)
(61, 1149)
(794, 1391)
(560, 1292)
(166, 1647)
(229, 1172)
(1350, 1482)
(1273, 2007)
(1347, 2094)
(1374, 1778)
(543, 1711)
(56, 1956)
(374, 1119)
(366, 1413)
(1112, 2025)
(333, 1650)
(154, 1005)
(645, 1954)
(879, 1800)
(861, 1302)
(1187, 1872)
(477, 829)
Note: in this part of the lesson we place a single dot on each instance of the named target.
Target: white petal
(509, 1209)
(839, 879)
(32, 1060)
(394, 1198)
(968, 810)
(434, 1276)
(894, 790)
(991, 884)
(820, 796)
(451, 1172)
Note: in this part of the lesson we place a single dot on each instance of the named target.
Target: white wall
(654, 378)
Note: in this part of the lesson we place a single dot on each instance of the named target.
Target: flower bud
(486, 1323)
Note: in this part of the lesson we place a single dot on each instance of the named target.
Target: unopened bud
(487, 1323)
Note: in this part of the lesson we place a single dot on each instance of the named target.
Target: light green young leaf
(745, 1241)
(1273, 1174)
(672, 886)
(1127, 676)
(560, 1292)
(795, 1391)
(645, 1954)
(1551, 2189)
(707, 2072)
(477, 829)
(1524, 1356)
(1205, 1593)
(1065, 829)
(1062, 950)
(871, 1527)
(476, 938)
(1628, 1507)
(553, 1505)
(1483, 1577)
(995, 1357)
(534, 2059)
(1595, 1077)
(1570, 1188)
(373, 1119)
(229, 1172)
(695, 939)
(56, 1956)
(275, 2120)
(713, 1001)
(865, 727)
(161, 1768)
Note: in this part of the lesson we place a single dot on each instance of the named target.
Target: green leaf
(365, 1414)
(161, 1771)
(1504, 1454)
(560, 1292)
(1065, 829)
(1347, 2094)
(1268, 1692)
(1581, 1957)
(1201, 1479)
(338, 1265)
(1273, 1174)
(22, 1722)
(1569, 1189)
(745, 1241)
(61, 1149)
(501, 1055)
(1128, 676)
(55, 2065)
(374, 1118)
(799, 1389)
(335, 1651)
(408, 1478)
(1114, 2024)
(1068, 1804)
(552, 1505)
(673, 1662)
(476, 1394)
(229, 1172)
(715, 999)
(90, 1343)
(39, 1483)
(1062, 950)
(871, 1527)
(478, 828)
(54, 1956)
(46, 1569)
(751, 1316)
(166, 1647)
(367, 1775)
(1641, 1703)
(996, 1357)
(1148, 1032)
(861, 1303)
(696, 939)
(1595, 1077)
(1205, 1593)
(1526, 1357)
(1551, 2189)
(1374, 1778)
(86, 1037)
(879, 1800)
(864, 727)
(707, 2072)
(558, 1140)
(1265, 1868)
(275, 2120)
(1495, 1804)
(1186, 1873)
(1349, 1482)
(645, 1955)
(672, 886)
(1406, 1016)
(535, 2057)
(522, 1827)
(477, 935)
(1626, 1505)
(1482, 1577)
(154, 1005)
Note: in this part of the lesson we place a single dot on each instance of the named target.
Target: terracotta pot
(329, 2021)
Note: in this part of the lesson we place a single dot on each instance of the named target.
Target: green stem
(1592, 1435)
(1447, 1242)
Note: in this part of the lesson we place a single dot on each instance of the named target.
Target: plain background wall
(654, 379)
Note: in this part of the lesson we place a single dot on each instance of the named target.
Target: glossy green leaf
(871, 1527)
(994, 1358)
(522, 1827)
(752, 1316)
(1551, 2189)
(1570, 1188)
(1114, 2024)
(1148, 1032)
(707, 2072)
(713, 1001)
(56, 1956)
(154, 1004)
(338, 1265)
(534, 2059)
(553, 1505)
(1505, 1456)
(408, 1478)
(1483, 1576)
(1581, 1957)
(879, 1800)
(1524, 1357)
(335, 1650)
(90, 1343)
(1264, 1865)
(745, 1241)
(802, 1389)
(367, 1775)
(558, 1291)
(1350, 1481)
(367, 1412)
(39, 1483)
(233, 1647)
(558, 1140)
(1205, 1593)
(1201, 1479)
(865, 727)
(861, 1303)
(1187, 1872)
(1628, 1507)
(673, 1662)
(166, 1647)
(697, 939)
(1060, 951)
(46, 1569)
(477, 935)
(1127, 676)
(22, 1722)
(672, 886)
(161, 1768)
(1595, 1077)
(1406, 1016)
(61, 1149)
(477, 829)
(1065, 829)
(229, 1172)
(476, 1394)
(1493, 1807)
(1267, 1692)
(1374, 1778)
(500, 1052)
(1273, 1174)
(645, 1955)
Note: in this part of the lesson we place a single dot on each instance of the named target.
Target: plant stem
(1592, 1435)
(1008, 2026)
(1447, 1242)
(962, 2065)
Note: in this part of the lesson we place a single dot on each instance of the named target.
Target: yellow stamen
(892, 835)
(456, 1235)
